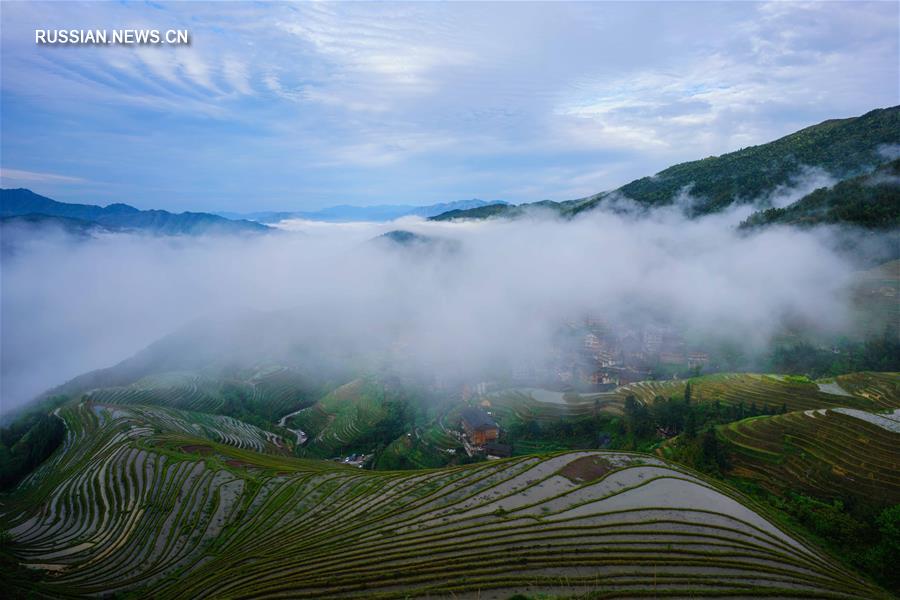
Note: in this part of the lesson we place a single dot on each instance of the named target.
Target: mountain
(21, 202)
(400, 239)
(498, 210)
(18, 229)
(842, 147)
(346, 212)
(845, 148)
(72, 226)
(436, 209)
(403, 238)
(871, 201)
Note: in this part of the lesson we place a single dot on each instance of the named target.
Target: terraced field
(341, 417)
(828, 452)
(279, 390)
(139, 502)
(183, 390)
(544, 405)
(866, 391)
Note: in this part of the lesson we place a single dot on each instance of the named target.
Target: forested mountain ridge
(844, 148)
(871, 201)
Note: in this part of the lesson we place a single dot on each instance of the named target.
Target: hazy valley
(688, 386)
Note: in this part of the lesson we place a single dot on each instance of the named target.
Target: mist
(468, 295)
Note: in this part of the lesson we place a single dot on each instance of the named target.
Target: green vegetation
(359, 416)
(871, 201)
(757, 394)
(206, 505)
(845, 148)
(880, 351)
(481, 212)
(258, 397)
(186, 517)
(832, 472)
(508, 211)
(831, 454)
(26, 443)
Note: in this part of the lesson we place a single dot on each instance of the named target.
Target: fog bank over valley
(455, 296)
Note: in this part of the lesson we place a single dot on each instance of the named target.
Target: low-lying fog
(69, 306)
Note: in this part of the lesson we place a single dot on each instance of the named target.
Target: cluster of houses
(595, 356)
(603, 356)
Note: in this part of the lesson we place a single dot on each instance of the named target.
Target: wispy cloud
(17, 175)
(301, 105)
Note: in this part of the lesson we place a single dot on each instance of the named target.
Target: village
(592, 355)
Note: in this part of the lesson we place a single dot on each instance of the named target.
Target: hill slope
(871, 200)
(866, 391)
(844, 148)
(831, 453)
(127, 505)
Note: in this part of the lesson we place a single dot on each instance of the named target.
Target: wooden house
(479, 426)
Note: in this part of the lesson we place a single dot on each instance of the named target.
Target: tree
(638, 422)
(30, 449)
(712, 455)
(888, 549)
(690, 425)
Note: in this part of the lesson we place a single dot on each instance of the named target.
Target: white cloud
(467, 88)
(698, 273)
(237, 75)
(33, 176)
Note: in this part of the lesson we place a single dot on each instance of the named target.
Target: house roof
(496, 449)
(477, 419)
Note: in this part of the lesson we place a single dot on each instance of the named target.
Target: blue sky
(301, 106)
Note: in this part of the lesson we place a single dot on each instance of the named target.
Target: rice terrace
(158, 501)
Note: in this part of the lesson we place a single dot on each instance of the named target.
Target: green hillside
(259, 394)
(481, 212)
(867, 391)
(499, 210)
(831, 466)
(132, 505)
(830, 453)
(871, 201)
(845, 148)
(344, 419)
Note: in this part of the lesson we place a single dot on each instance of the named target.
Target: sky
(307, 105)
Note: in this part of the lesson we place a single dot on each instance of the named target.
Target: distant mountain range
(345, 212)
(24, 206)
(845, 148)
